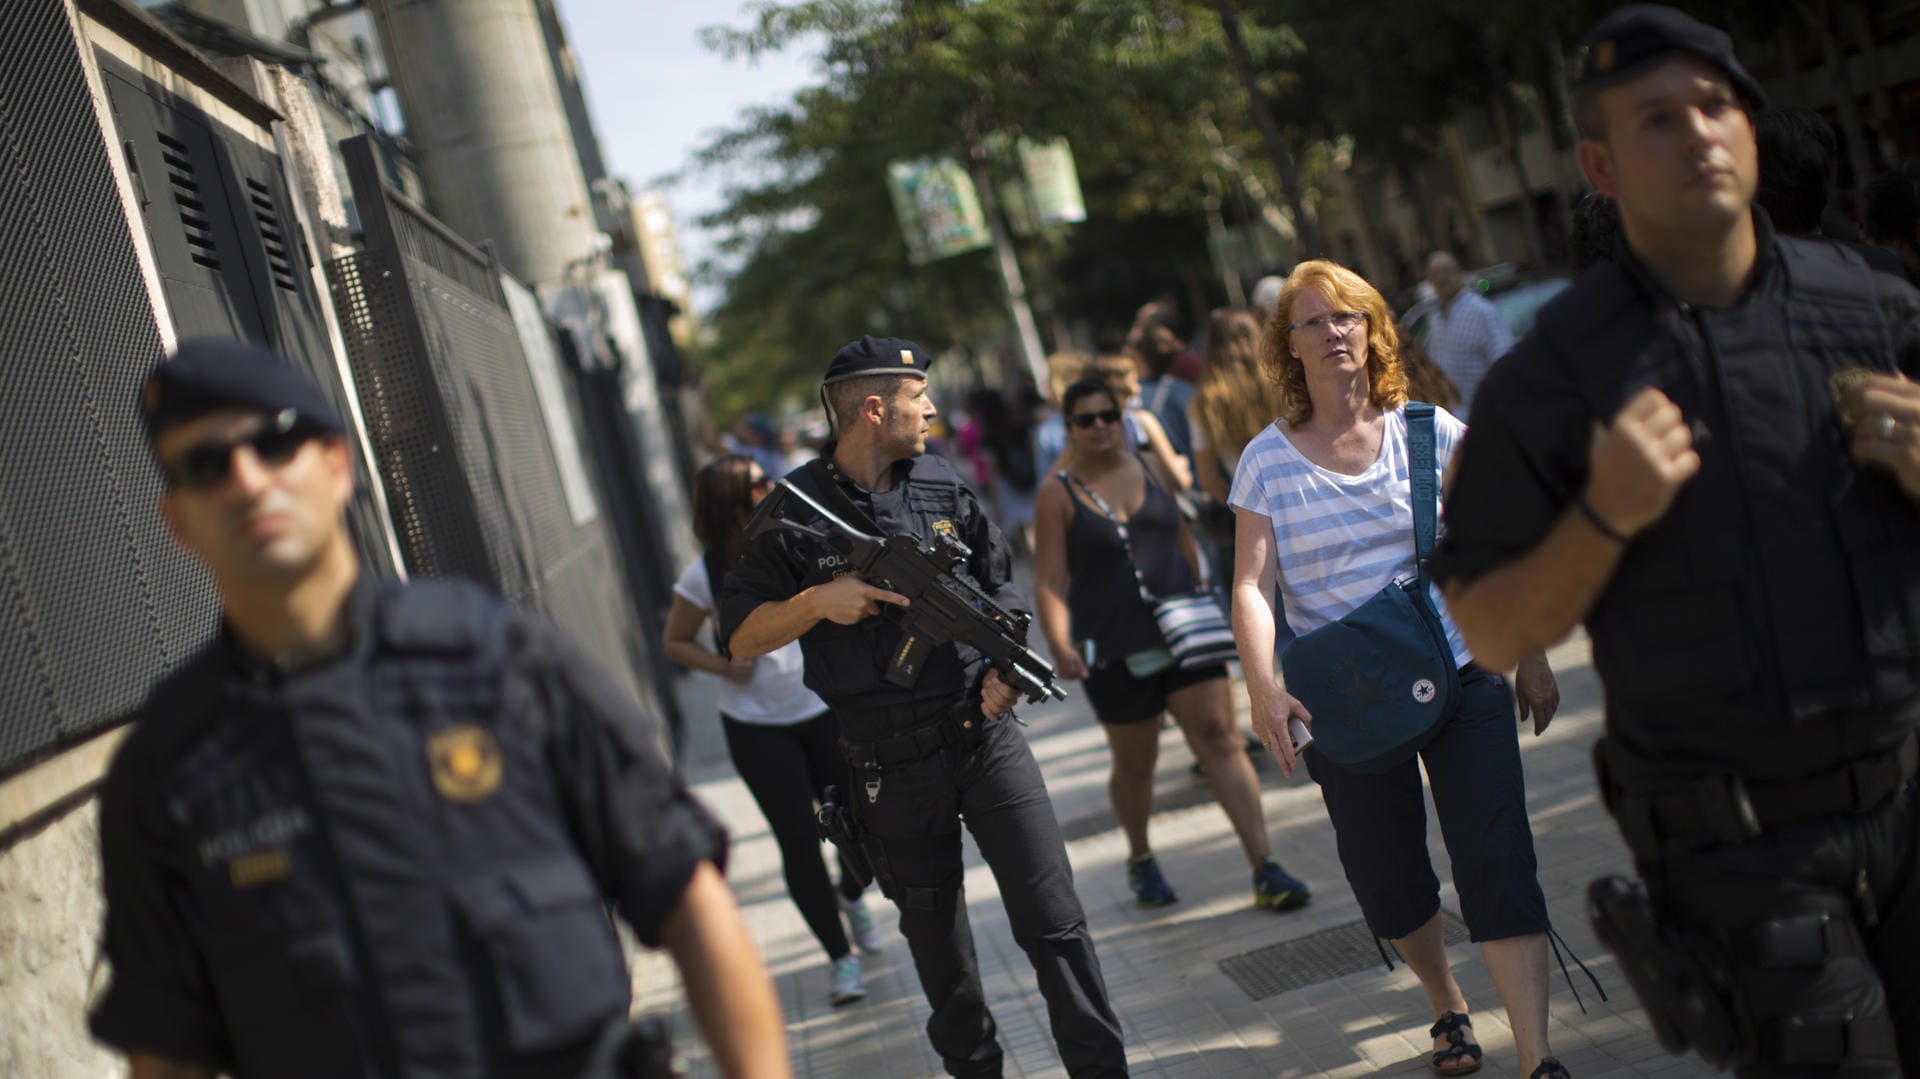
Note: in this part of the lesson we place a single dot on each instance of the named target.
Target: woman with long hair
(1106, 534)
(1325, 513)
(1233, 401)
(781, 737)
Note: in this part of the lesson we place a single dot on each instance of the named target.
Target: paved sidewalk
(1182, 1016)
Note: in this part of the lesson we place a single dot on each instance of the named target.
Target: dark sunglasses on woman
(1085, 420)
(274, 438)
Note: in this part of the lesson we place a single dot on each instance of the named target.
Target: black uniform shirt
(847, 665)
(1524, 459)
(392, 862)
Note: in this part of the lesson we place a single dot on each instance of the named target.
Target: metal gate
(465, 449)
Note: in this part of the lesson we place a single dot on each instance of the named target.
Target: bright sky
(658, 96)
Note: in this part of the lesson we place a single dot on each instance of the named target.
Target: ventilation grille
(194, 223)
(1321, 957)
(272, 237)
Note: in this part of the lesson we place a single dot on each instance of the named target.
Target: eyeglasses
(1084, 420)
(274, 439)
(1339, 320)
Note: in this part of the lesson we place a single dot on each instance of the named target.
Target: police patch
(946, 528)
(260, 867)
(465, 763)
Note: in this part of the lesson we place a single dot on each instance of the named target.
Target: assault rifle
(947, 605)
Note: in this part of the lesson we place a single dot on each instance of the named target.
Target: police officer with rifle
(870, 556)
(1708, 451)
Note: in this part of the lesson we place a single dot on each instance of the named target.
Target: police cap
(1632, 40)
(878, 356)
(211, 373)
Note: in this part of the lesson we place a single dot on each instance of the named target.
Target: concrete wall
(49, 929)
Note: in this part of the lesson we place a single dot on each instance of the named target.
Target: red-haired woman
(1325, 513)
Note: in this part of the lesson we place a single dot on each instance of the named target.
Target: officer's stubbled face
(263, 521)
(908, 419)
(1677, 153)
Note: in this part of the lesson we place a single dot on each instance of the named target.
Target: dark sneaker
(1149, 887)
(1276, 889)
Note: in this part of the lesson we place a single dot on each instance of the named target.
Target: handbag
(1194, 626)
(1379, 681)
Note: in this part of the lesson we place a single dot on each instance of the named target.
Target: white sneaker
(849, 983)
(862, 927)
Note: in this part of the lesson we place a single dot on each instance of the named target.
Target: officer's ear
(1596, 161)
(873, 408)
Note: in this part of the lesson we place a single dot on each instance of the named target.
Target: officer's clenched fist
(1638, 464)
(849, 599)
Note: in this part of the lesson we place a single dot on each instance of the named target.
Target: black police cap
(878, 356)
(1632, 40)
(211, 373)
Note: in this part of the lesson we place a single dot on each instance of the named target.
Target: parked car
(1518, 300)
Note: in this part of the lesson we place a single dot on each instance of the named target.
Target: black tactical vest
(847, 665)
(1782, 582)
(378, 871)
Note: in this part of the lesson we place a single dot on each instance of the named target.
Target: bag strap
(1420, 453)
(1160, 394)
(1120, 526)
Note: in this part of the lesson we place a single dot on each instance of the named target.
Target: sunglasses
(1084, 420)
(761, 483)
(273, 438)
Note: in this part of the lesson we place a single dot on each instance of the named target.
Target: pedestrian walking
(1110, 541)
(928, 755)
(1708, 452)
(369, 829)
(1467, 332)
(1327, 513)
(1233, 401)
(783, 741)
(1144, 432)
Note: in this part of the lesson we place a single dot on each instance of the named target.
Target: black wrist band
(1599, 523)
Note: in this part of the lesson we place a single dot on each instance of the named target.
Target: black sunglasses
(1084, 420)
(273, 438)
(761, 483)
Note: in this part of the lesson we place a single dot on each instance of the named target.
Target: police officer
(1707, 452)
(923, 758)
(369, 828)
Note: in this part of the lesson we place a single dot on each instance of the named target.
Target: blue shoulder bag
(1379, 681)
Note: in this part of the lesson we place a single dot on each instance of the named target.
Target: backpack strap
(1420, 454)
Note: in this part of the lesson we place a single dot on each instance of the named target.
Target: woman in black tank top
(1089, 575)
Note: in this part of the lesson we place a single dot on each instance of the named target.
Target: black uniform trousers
(915, 810)
(1848, 1009)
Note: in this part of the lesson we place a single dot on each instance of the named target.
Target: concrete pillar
(485, 116)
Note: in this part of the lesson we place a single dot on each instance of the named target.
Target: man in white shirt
(1467, 332)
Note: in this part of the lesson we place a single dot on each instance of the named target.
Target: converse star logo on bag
(1423, 690)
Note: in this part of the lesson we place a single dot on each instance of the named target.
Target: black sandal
(1453, 1026)
(1551, 1069)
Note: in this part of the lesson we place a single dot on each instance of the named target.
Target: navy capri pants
(1380, 824)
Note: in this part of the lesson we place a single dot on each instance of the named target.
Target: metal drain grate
(1322, 957)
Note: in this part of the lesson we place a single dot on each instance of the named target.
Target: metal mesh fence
(473, 481)
(95, 600)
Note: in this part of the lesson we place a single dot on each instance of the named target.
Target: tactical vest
(1782, 581)
(847, 665)
(420, 907)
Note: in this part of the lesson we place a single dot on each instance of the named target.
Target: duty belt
(958, 725)
(1656, 811)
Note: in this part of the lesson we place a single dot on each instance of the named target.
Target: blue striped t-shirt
(1339, 539)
